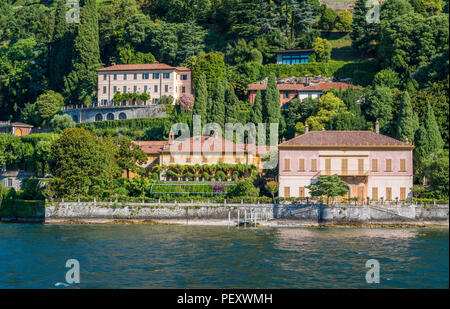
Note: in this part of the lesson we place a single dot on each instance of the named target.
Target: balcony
(344, 172)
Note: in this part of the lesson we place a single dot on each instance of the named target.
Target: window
(402, 165)
(110, 116)
(375, 193)
(124, 89)
(166, 88)
(388, 194)
(184, 77)
(144, 75)
(301, 165)
(124, 76)
(301, 192)
(10, 182)
(374, 165)
(183, 89)
(122, 116)
(286, 94)
(155, 75)
(388, 165)
(115, 89)
(104, 89)
(104, 76)
(402, 193)
(360, 166)
(287, 164)
(344, 166)
(166, 75)
(328, 166)
(98, 117)
(135, 89)
(294, 59)
(135, 76)
(172, 159)
(313, 165)
(156, 88)
(115, 76)
(287, 192)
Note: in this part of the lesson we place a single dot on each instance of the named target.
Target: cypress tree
(256, 114)
(429, 139)
(201, 99)
(82, 81)
(217, 114)
(272, 111)
(232, 106)
(408, 123)
(60, 53)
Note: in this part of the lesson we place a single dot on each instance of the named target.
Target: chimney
(407, 141)
(113, 63)
(171, 137)
(306, 128)
(323, 128)
(295, 134)
(377, 127)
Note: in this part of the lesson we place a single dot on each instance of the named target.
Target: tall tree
(60, 51)
(429, 139)
(217, 113)
(271, 108)
(256, 115)
(81, 83)
(408, 122)
(201, 99)
(82, 165)
(364, 32)
(232, 106)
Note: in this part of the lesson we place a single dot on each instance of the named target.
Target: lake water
(158, 256)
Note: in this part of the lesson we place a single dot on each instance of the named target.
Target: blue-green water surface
(169, 256)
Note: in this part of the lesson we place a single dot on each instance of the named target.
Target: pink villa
(289, 92)
(373, 165)
(155, 79)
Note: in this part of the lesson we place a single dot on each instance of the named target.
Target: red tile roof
(151, 147)
(343, 139)
(303, 87)
(141, 67)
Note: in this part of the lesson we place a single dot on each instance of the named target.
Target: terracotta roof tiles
(343, 139)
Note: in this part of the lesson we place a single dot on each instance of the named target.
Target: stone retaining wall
(75, 210)
(352, 213)
(307, 213)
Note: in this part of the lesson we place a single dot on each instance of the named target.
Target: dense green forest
(400, 64)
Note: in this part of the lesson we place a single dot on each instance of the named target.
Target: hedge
(21, 208)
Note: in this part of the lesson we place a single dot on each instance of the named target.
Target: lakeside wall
(303, 213)
(313, 214)
(342, 214)
(80, 210)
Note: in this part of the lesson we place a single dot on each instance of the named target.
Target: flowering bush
(186, 102)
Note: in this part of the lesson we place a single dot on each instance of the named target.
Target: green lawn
(342, 47)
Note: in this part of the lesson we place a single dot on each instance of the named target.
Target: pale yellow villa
(155, 79)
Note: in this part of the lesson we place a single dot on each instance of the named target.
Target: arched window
(110, 116)
(122, 116)
(75, 118)
(98, 117)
